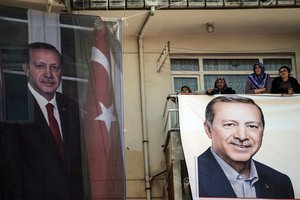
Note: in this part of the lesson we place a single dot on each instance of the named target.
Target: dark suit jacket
(44, 175)
(227, 90)
(214, 183)
(10, 171)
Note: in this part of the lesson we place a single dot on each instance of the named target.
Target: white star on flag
(106, 115)
(104, 150)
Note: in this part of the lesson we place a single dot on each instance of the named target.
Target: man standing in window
(235, 125)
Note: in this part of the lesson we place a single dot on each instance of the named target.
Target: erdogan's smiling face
(236, 131)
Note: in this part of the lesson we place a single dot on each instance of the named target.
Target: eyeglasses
(284, 70)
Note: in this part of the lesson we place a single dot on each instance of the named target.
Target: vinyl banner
(280, 144)
(61, 106)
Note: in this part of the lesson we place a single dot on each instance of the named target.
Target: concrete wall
(159, 85)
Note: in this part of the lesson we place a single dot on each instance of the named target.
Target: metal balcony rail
(179, 4)
(171, 114)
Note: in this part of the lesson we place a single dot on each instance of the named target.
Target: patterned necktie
(55, 129)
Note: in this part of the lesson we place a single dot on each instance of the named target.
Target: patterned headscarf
(258, 81)
(261, 66)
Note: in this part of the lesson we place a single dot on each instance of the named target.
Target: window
(228, 64)
(200, 73)
(13, 46)
(184, 65)
(192, 82)
(274, 64)
(12, 79)
(236, 82)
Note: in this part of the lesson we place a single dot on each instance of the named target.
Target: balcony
(177, 178)
(179, 4)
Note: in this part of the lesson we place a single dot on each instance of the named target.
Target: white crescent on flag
(100, 58)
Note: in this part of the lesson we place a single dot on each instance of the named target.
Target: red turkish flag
(101, 130)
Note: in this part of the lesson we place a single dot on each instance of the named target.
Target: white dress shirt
(42, 101)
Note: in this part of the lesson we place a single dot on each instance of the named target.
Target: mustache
(47, 80)
(241, 144)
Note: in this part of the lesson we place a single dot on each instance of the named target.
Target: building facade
(167, 44)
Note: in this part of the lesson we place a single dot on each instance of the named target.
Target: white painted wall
(159, 85)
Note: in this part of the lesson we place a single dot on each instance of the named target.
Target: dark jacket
(214, 183)
(277, 82)
(227, 90)
(10, 157)
(32, 154)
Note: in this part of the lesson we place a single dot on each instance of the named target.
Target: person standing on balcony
(285, 83)
(220, 87)
(185, 90)
(258, 82)
(235, 125)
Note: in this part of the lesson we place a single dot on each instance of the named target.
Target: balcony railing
(183, 4)
(178, 180)
(171, 114)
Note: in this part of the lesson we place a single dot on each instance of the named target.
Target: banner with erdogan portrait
(279, 148)
(72, 150)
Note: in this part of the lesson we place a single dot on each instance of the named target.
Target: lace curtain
(225, 66)
(181, 81)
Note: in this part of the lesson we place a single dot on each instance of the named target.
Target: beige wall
(159, 85)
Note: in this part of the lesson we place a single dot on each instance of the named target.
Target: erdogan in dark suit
(235, 125)
(214, 183)
(49, 147)
(46, 175)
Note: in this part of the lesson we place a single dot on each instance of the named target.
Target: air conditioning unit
(214, 3)
(232, 3)
(80, 4)
(135, 4)
(196, 3)
(268, 2)
(116, 4)
(103, 4)
(156, 3)
(250, 3)
(178, 3)
(286, 2)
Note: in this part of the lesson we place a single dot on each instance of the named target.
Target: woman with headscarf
(285, 83)
(258, 82)
(220, 87)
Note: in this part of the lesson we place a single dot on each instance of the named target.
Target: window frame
(15, 69)
(184, 76)
(201, 73)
